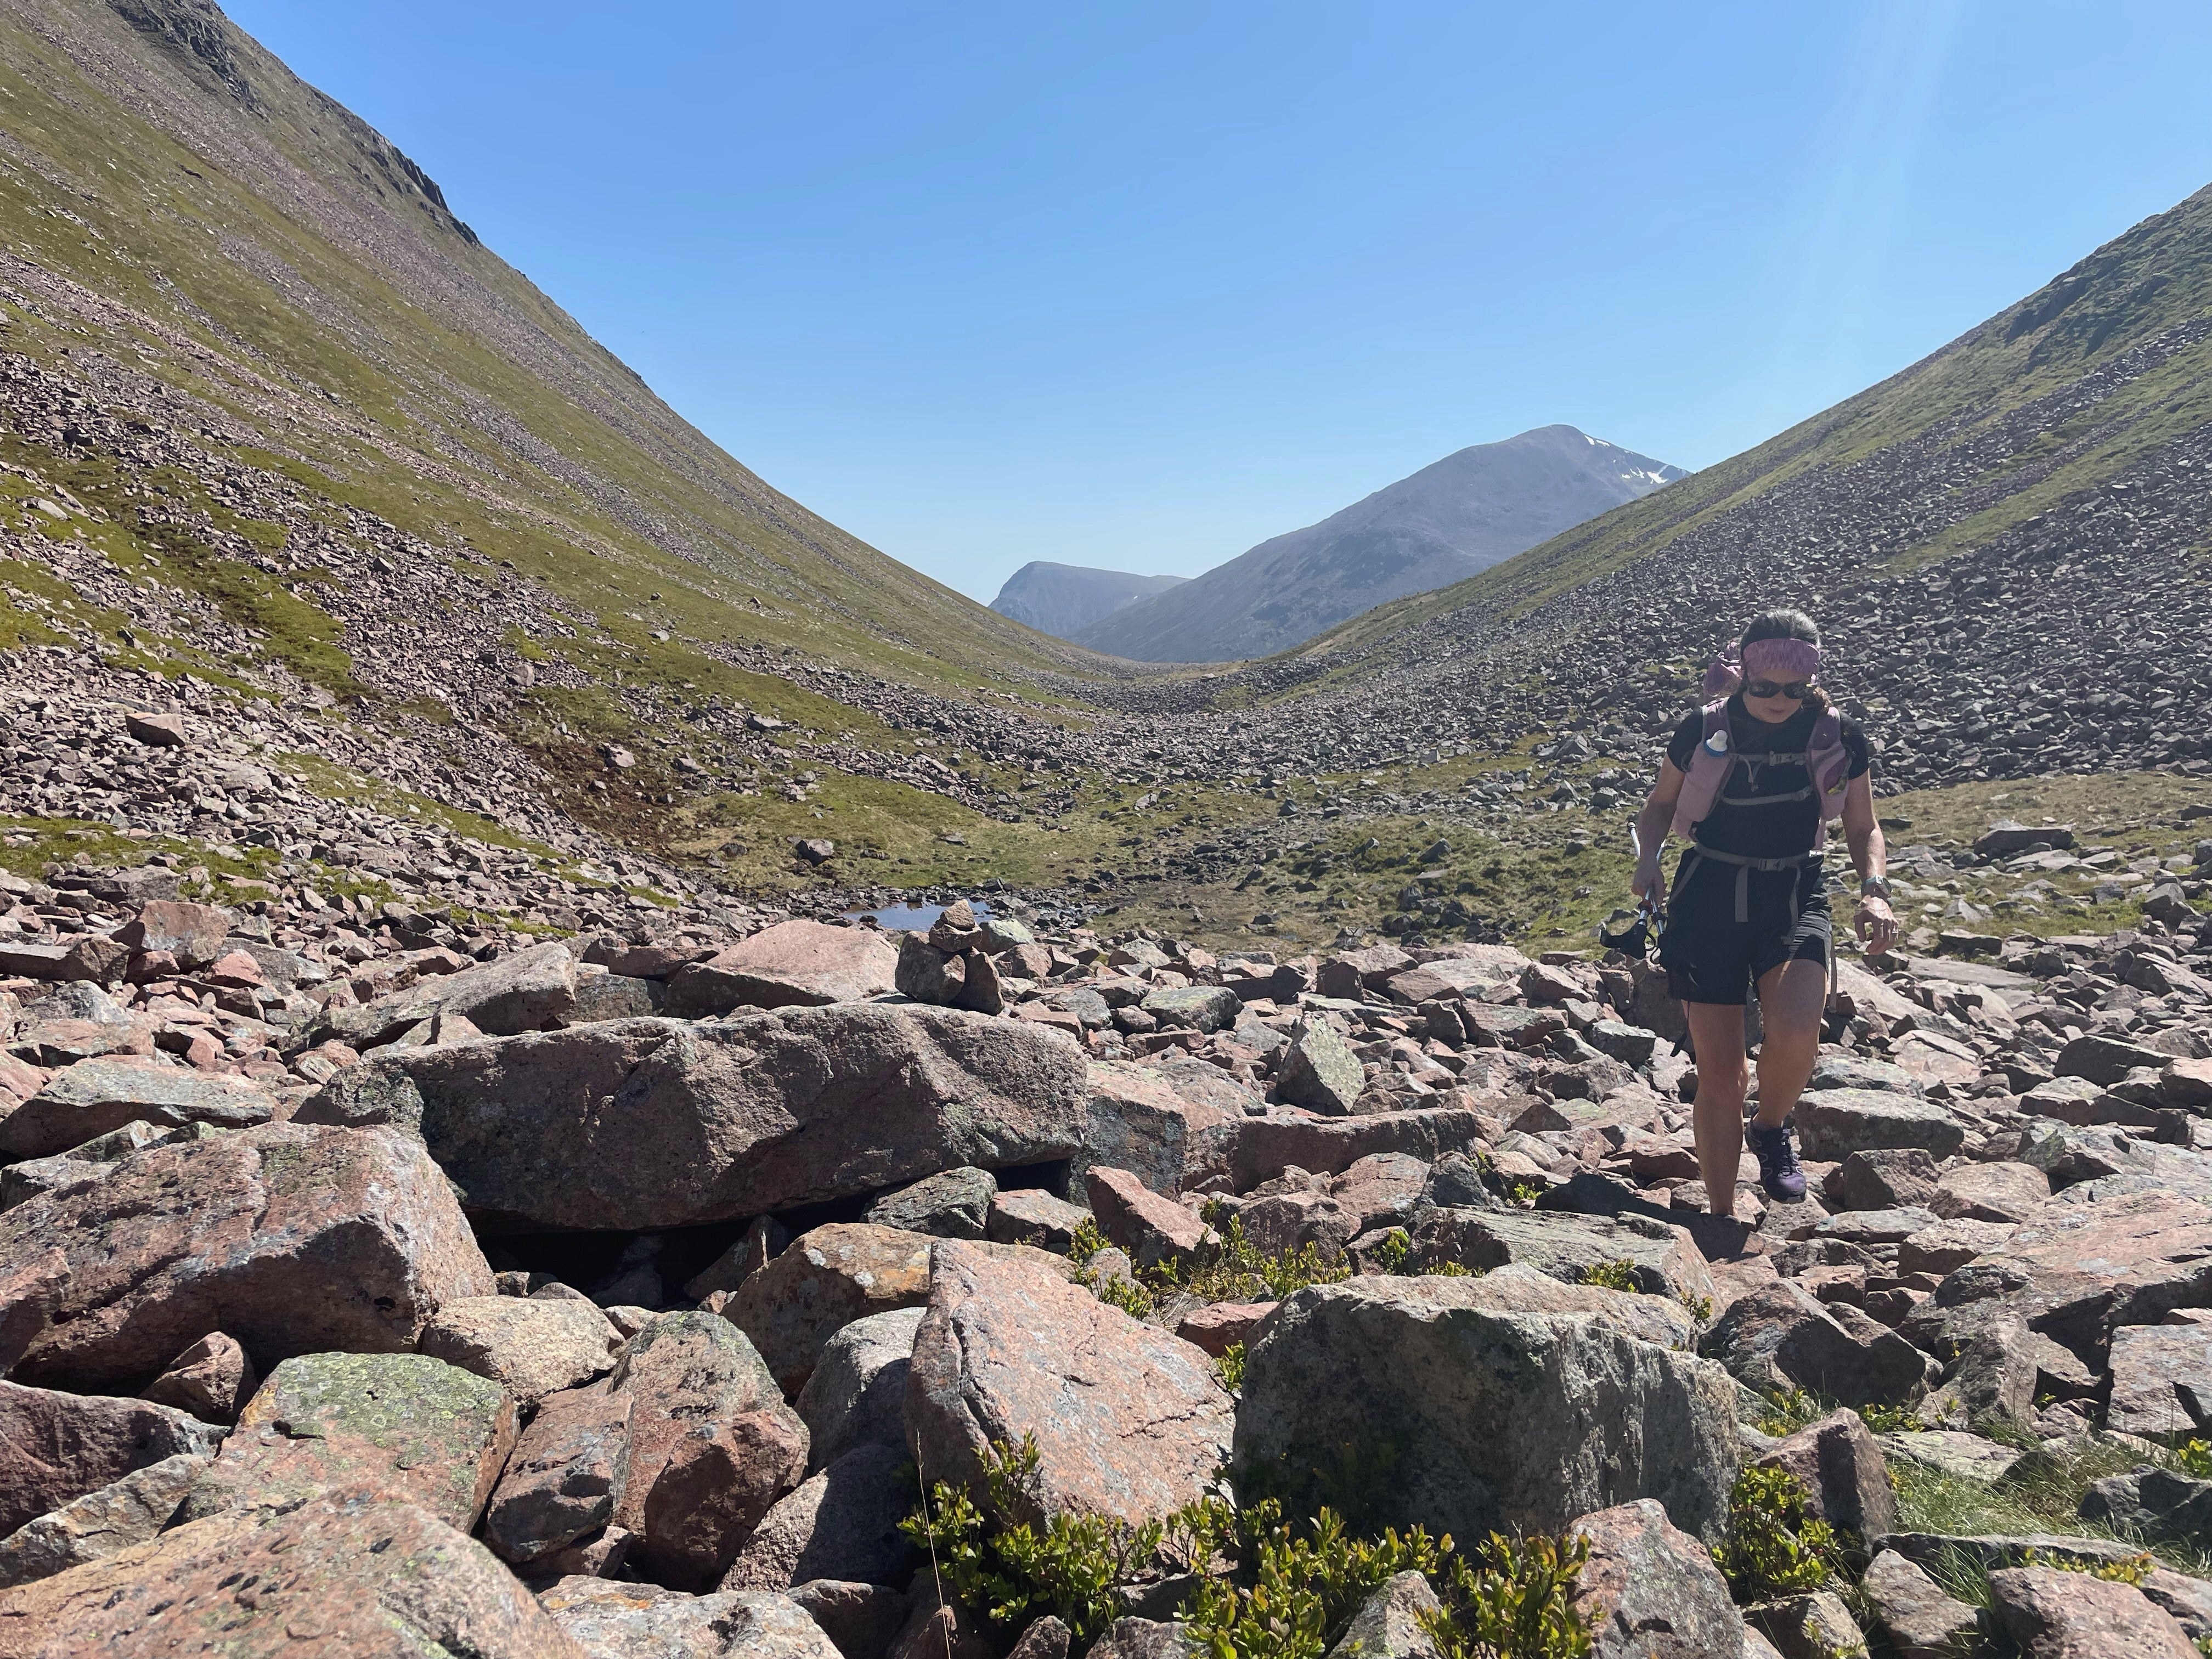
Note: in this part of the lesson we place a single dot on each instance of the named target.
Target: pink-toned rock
(530, 1347)
(191, 933)
(292, 1239)
(718, 1482)
(237, 971)
(1284, 1137)
(528, 990)
(212, 1379)
(1171, 1134)
(1650, 1590)
(682, 1370)
(156, 728)
(95, 1096)
(383, 1427)
(1381, 1189)
(1151, 1229)
(2056, 1614)
(1130, 1420)
(334, 1581)
(824, 1281)
(2161, 1380)
(1845, 1478)
(19, 1080)
(564, 1476)
(56, 1447)
(613, 1620)
(791, 963)
(1990, 1192)
(1219, 1326)
(2086, 1269)
(1288, 1222)
(649, 1123)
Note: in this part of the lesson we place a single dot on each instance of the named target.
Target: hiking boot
(1778, 1169)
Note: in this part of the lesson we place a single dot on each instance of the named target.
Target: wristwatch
(1873, 887)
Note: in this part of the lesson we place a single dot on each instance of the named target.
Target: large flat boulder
(792, 964)
(2081, 1270)
(101, 1523)
(56, 1447)
(293, 1239)
(527, 991)
(1834, 1123)
(2161, 1380)
(1658, 1259)
(1130, 1420)
(390, 1427)
(1466, 1418)
(611, 1620)
(1171, 1134)
(384, 1579)
(651, 1123)
(2055, 1614)
(95, 1096)
(1284, 1137)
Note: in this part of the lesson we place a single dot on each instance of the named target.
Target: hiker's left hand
(1877, 925)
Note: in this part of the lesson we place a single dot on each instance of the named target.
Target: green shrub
(2194, 1457)
(1791, 1412)
(1773, 1548)
(1085, 1243)
(1131, 1297)
(1612, 1276)
(1231, 1367)
(1010, 1571)
(1449, 1270)
(1235, 1269)
(1390, 1254)
(1305, 1584)
(1891, 1419)
(1518, 1605)
(2129, 1570)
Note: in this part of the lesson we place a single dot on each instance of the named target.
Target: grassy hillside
(253, 245)
(2149, 289)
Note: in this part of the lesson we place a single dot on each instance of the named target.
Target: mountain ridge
(1462, 514)
(1060, 599)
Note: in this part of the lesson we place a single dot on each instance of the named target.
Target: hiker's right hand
(1645, 885)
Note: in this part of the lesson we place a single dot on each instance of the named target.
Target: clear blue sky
(1137, 285)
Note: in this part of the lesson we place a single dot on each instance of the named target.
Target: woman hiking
(1753, 780)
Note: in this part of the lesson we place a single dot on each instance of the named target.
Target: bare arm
(1877, 923)
(1651, 827)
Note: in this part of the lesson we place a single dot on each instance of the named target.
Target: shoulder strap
(1709, 767)
(1828, 764)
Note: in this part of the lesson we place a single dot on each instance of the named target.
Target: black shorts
(1710, 957)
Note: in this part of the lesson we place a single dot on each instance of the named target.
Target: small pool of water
(917, 918)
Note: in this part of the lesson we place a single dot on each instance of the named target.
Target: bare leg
(1716, 1034)
(1790, 1001)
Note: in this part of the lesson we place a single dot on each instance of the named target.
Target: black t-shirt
(1770, 760)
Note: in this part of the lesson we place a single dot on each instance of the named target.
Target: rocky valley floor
(653, 1272)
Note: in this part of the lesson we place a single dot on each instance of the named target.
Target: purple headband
(1797, 658)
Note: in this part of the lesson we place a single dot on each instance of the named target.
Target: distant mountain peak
(1061, 598)
(1474, 508)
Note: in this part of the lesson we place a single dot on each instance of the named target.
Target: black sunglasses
(1794, 690)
